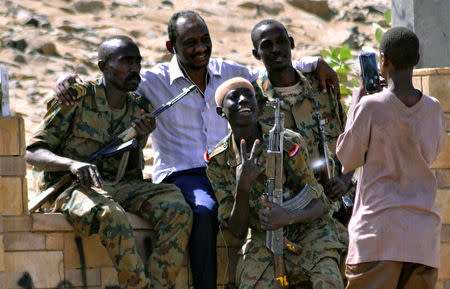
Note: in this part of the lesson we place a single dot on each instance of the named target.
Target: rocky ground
(41, 39)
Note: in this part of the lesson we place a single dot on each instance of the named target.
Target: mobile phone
(369, 68)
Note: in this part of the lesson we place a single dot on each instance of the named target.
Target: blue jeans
(198, 193)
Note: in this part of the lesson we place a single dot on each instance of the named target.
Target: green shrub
(343, 61)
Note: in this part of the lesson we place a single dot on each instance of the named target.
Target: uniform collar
(270, 93)
(100, 96)
(176, 72)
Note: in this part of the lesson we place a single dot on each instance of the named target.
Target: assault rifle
(323, 169)
(274, 193)
(124, 142)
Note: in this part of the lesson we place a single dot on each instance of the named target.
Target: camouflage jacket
(78, 131)
(300, 111)
(221, 171)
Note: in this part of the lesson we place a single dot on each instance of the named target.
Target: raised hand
(324, 72)
(247, 171)
(61, 89)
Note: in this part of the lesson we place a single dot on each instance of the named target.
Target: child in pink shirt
(393, 136)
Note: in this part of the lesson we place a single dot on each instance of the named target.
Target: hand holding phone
(369, 71)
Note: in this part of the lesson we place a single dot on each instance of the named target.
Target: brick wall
(43, 247)
(436, 82)
(13, 197)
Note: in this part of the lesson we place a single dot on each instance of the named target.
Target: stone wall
(13, 191)
(436, 82)
(41, 251)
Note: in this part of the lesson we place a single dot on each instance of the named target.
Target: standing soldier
(69, 134)
(301, 100)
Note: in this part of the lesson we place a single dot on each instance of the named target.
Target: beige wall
(436, 82)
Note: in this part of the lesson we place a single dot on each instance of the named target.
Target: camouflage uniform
(300, 112)
(78, 131)
(314, 266)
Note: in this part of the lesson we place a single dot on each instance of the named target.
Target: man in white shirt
(191, 126)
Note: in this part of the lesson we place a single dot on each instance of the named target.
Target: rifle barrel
(174, 100)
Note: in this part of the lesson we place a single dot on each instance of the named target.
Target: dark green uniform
(78, 131)
(317, 263)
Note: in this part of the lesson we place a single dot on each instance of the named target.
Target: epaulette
(81, 90)
(219, 148)
(291, 147)
(290, 144)
(143, 103)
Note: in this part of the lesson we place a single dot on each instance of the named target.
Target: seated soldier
(301, 101)
(238, 180)
(69, 134)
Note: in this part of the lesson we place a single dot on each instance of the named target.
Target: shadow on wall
(26, 281)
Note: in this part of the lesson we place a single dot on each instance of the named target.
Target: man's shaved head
(120, 62)
(264, 23)
(110, 45)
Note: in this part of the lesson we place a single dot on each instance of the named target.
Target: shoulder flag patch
(206, 157)
(294, 152)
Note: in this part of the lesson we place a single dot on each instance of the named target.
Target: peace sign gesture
(247, 171)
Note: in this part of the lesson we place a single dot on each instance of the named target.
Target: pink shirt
(396, 215)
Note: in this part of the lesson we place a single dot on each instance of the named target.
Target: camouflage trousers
(255, 270)
(102, 212)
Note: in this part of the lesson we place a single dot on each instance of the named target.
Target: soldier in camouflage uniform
(301, 99)
(69, 134)
(239, 182)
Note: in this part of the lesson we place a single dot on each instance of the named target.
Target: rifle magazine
(301, 200)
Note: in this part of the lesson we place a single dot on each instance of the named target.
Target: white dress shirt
(186, 130)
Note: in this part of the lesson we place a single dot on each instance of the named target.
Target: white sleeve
(306, 64)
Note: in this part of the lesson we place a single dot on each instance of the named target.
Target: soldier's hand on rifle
(247, 171)
(61, 88)
(87, 174)
(324, 72)
(144, 125)
(336, 188)
(273, 216)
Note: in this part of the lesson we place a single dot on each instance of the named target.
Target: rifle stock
(105, 152)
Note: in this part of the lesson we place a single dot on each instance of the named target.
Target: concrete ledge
(443, 178)
(431, 71)
(49, 222)
(17, 223)
(56, 222)
(32, 242)
(12, 134)
(445, 233)
(12, 166)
